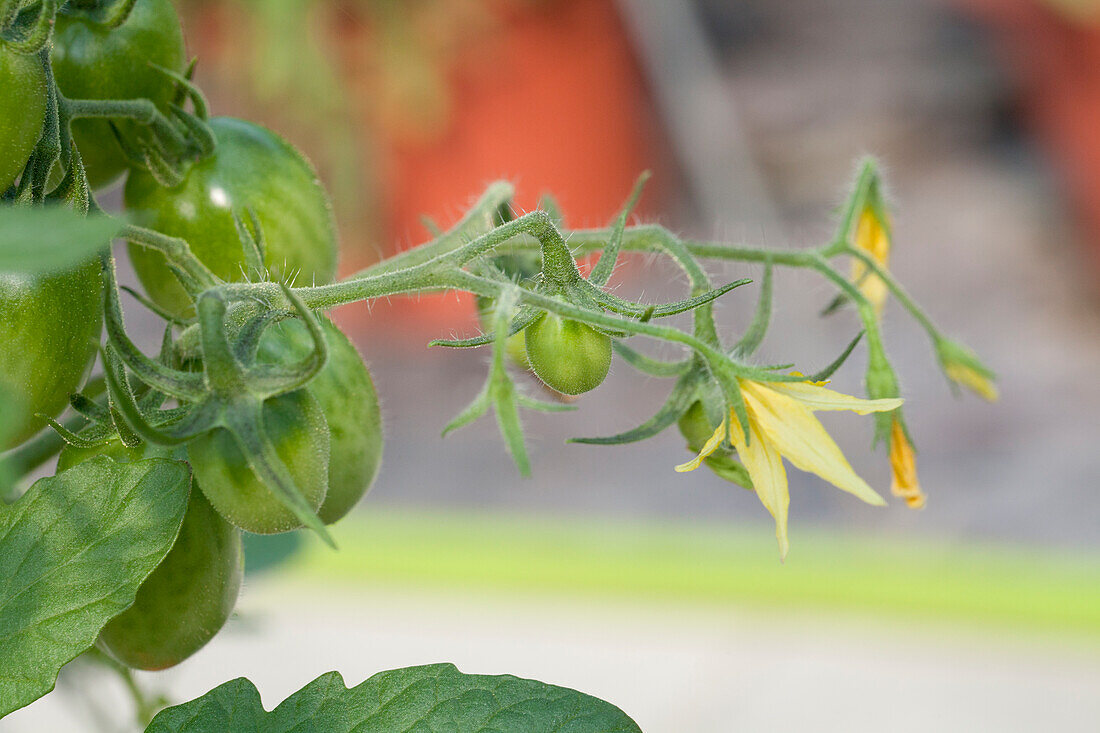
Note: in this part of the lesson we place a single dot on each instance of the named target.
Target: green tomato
(250, 168)
(568, 356)
(187, 599)
(295, 425)
(92, 61)
(49, 328)
(697, 429)
(22, 111)
(346, 394)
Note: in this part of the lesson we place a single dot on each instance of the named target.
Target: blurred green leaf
(52, 238)
(434, 697)
(73, 551)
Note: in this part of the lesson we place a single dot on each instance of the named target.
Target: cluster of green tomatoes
(103, 57)
(328, 434)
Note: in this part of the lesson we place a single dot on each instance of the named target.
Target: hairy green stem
(142, 111)
(478, 220)
(145, 708)
(897, 290)
(177, 251)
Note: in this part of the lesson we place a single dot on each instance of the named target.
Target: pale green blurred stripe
(907, 580)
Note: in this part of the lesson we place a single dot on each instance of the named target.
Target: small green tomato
(22, 111)
(296, 426)
(49, 328)
(346, 394)
(697, 428)
(93, 61)
(253, 169)
(568, 356)
(188, 598)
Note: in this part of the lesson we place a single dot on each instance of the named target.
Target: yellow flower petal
(903, 464)
(972, 380)
(816, 397)
(709, 447)
(792, 428)
(769, 478)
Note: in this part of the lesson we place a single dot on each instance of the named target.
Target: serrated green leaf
(53, 238)
(435, 697)
(73, 551)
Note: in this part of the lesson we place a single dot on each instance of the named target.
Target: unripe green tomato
(697, 428)
(92, 61)
(346, 394)
(569, 356)
(187, 599)
(49, 328)
(251, 168)
(295, 425)
(22, 111)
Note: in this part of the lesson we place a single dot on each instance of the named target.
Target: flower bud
(962, 366)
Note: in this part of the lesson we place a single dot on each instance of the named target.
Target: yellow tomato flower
(903, 465)
(782, 425)
(873, 237)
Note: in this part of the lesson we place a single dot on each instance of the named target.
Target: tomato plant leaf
(434, 697)
(73, 551)
(52, 238)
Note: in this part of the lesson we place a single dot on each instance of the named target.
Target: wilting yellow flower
(782, 425)
(903, 464)
(972, 379)
(873, 237)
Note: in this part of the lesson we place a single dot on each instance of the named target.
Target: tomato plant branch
(651, 238)
(177, 251)
(899, 292)
(111, 13)
(142, 111)
(478, 220)
(145, 706)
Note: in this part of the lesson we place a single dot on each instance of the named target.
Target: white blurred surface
(672, 668)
